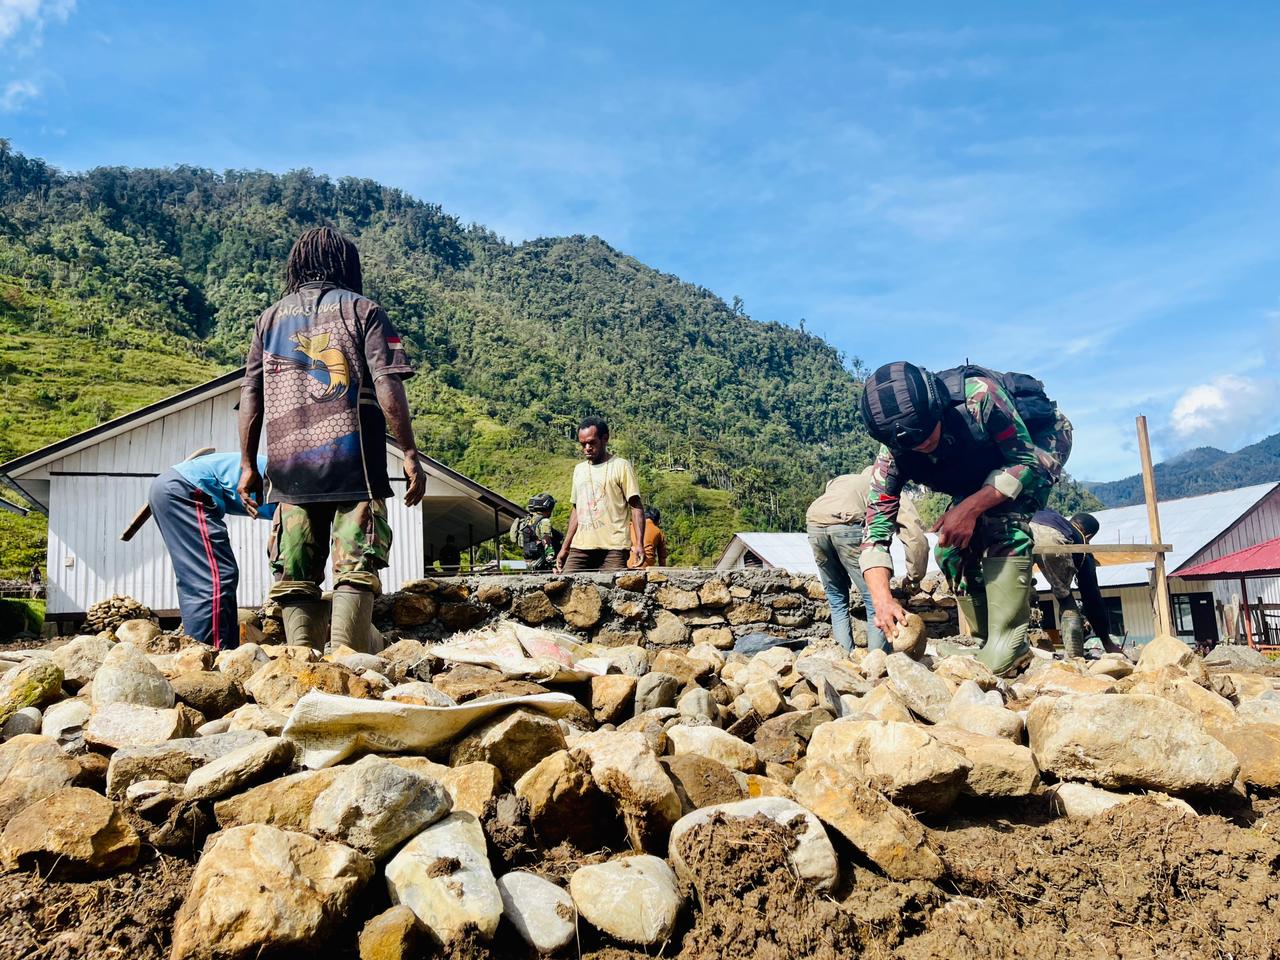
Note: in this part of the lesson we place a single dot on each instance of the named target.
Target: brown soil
(1138, 882)
(752, 903)
(128, 914)
(1135, 882)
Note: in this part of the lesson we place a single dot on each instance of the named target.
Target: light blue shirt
(218, 475)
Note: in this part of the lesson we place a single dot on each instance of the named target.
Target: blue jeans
(836, 549)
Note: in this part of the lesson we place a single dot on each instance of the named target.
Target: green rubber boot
(306, 624)
(1008, 581)
(1072, 633)
(352, 618)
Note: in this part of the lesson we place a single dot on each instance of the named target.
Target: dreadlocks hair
(325, 255)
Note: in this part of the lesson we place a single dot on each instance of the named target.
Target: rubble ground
(519, 791)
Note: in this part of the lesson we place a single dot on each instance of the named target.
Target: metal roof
(790, 551)
(1188, 524)
(1259, 560)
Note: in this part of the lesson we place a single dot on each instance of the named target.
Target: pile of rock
(545, 808)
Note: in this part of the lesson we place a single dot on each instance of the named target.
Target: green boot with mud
(352, 618)
(306, 624)
(1008, 588)
(1072, 633)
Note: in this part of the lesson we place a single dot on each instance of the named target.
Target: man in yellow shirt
(607, 517)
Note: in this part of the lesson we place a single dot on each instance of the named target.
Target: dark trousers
(580, 561)
(195, 534)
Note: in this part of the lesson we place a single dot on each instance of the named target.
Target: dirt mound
(752, 903)
(125, 915)
(1138, 881)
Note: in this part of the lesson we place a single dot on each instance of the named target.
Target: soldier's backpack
(527, 537)
(1037, 410)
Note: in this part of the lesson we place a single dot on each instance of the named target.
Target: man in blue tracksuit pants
(190, 502)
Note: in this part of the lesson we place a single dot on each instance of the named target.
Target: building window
(1115, 613)
(1194, 618)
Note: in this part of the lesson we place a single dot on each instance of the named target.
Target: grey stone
(633, 899)
(375, 805)
(128, 676)
(655, 690)
(542, 913)
(238, 769)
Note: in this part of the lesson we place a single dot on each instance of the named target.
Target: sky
(1086, 192)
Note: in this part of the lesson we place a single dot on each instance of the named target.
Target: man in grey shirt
(834, 523)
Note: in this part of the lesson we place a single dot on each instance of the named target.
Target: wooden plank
(1164, 609)
(1137, 549)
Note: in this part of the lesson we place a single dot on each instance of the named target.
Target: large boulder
(1165, 651)
(73, 832)
(1128, 740)
(80, 658)
(998, 768)
(119, 725)
(625, 767)
(32, 768)
(127, 675)
(281, 683)
(812, 855)
(443, 876)
(238, 769)
(376, 805)
(213, 694)
(632, 899)
(285, 802)
(924, 692)
(30, 685)
(258, 890)
(1257, 748)
(513, 742)
(901, 760)
(888, 836)
(717, 744)
(565, 803)
(542, 913)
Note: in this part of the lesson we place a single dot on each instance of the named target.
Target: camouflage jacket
(1027, 470)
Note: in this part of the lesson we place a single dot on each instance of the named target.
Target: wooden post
(1248, 615)
(1164, 612)
(497, 540)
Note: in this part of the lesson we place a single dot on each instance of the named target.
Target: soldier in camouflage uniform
(965, 433)
(325, 375)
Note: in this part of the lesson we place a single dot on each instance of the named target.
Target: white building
(1198, 529)
(90, 485)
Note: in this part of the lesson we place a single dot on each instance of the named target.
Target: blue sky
(1088, 192)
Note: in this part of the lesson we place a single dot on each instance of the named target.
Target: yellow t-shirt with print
(600, 494)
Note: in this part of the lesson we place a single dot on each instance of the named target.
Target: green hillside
(119, 286)
(1202, 470)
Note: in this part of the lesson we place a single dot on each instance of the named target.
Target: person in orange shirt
(655, 542)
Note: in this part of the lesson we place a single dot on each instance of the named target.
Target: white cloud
(17, 14)
(16, 94)
(1228, 411)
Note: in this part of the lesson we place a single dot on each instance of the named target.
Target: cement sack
(521, 652)
(327, 728)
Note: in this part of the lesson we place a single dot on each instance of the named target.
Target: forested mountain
(119, 286)
(1202, 470)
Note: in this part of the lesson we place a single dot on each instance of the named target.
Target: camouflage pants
(1006, 530)
(303, 536)
(1002, 532)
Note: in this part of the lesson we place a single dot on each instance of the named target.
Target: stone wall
(667, 607)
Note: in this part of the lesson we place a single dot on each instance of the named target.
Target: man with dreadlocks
(325, 372)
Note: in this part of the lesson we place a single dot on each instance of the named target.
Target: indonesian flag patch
(394, 342)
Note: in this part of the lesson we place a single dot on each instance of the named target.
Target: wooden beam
(1146, 549)
(1163, 607)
